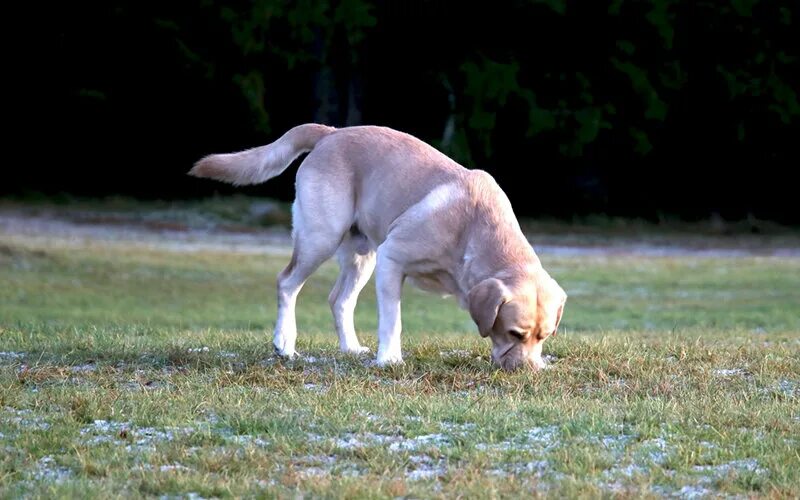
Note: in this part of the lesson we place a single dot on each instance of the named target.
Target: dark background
(654, 109)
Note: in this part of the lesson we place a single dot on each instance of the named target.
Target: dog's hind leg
(315, 241)
(356, 263)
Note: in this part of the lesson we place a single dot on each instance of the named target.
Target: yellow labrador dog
(377, 197)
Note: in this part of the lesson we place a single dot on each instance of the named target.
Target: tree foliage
(598, 88)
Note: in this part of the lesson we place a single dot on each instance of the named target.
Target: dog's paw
(285, 353)
(284, 346)
(356, 351)
(384, 361)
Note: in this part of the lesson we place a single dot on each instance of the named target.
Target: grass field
(132, 370)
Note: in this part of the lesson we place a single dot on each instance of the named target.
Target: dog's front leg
(389, 286)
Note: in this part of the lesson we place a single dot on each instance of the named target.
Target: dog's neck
(494, 252)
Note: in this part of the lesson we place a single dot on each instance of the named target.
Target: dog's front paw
(284, 345)
(388, 360)
(284, 351)
(357, 351)
(287, 355)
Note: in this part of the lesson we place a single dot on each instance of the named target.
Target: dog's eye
(517, 334)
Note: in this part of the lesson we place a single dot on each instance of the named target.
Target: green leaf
(744, 7)
(673, 77)
(589, 124)
(655, 108)
(660, 17)
(541, 120)
(626, 46)
(558, 6)
(253, 89)
(355, 16)
(784, 59)
(785, 104)
(307, 15)
(93, 94)
(642, 144)
(786, 16)
(489, 84)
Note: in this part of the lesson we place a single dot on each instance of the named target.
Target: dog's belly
(437, 282)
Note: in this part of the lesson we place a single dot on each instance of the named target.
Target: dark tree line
(644, 108)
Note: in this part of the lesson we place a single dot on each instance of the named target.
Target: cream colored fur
(382, 199)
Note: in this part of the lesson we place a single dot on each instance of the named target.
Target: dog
(379, 198)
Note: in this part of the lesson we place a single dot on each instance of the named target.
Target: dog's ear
(559, 313)
(485, 300)
(562, 300)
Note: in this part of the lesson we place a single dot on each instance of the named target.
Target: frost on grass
(6, 356)
(627, 471)
(103, 431)
(542, 438)
(788, 387)
(247, 439)
(369, 416)
(184, 496)
(411, 444)
(48, 470)
(87, 368)
(686, 492)
(454, 428)
(104, 427)
(613, 443)
(703, 476)
(721, 470)
(424, 467)
(24, 419)
(456, 353)
(398, 443)
(146, 438)
(627, 464)
(354, 441)
(176, 467)
(312, 466)
(537, 468)
(545, 436)
(729, 372)
(643, 457)
(420, 466)
(654, 451)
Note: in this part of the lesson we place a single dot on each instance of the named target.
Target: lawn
(132, 370)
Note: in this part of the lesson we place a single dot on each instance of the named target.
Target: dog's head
(518, 314)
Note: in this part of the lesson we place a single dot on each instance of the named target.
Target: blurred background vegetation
(650, 109)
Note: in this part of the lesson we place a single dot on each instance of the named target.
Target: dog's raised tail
(257, 165)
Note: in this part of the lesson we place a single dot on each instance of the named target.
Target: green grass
(147, 373)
